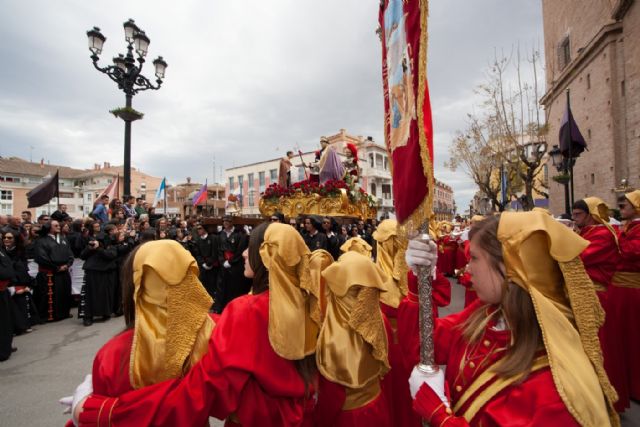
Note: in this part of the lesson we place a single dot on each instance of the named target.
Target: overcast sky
(246, 81)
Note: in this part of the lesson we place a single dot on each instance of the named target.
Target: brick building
(444, 207)
(180, 200)
(591, 48)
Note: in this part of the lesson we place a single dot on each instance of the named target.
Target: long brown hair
(261, 274)
(516, 306)
(126, 279)
(306, 367)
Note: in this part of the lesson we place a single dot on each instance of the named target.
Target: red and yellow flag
(408, 125)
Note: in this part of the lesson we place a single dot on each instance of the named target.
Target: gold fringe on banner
(422, 213)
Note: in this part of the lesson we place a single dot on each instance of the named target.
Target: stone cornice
(621, 9)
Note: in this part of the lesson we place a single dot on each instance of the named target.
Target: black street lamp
(564, 165)
(129, 79)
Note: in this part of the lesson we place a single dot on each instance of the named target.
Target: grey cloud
(246, 79)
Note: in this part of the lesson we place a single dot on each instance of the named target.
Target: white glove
(421, 254)
(435, 381)
(226, 264)
(82, 391)
(66, 402)
(206, 267)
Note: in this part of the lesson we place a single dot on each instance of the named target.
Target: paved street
(53, 359)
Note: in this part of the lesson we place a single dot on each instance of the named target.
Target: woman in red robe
(448, 246)
(516, 356)
(624, 298)
(352, 349)
(256, 370)
(601, 259)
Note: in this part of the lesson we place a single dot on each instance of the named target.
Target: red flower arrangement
(330, 188)
(275, 191)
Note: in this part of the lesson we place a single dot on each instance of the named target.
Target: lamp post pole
(127, 75)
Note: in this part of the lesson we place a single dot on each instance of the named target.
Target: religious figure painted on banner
(402, 100)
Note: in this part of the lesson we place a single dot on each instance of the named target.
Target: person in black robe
(206, 254)
(25, 314)
(329, 227)
(53, 282)
(231, 283)
(126, 241)
(7, 276)
(314, 238)
(100, 275)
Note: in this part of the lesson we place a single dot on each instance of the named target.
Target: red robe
(625, 303)
(534, 402)
(601, 259)
(329, 410)
(446, 263)
(464, 279)
(241, 375)
(408, 346)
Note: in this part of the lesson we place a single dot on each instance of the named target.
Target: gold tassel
(589, 317)
(366, 320)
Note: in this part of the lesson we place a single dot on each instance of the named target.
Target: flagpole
(206, 197)
(166, 211)
(571, 161)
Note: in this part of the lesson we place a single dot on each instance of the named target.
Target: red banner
(408, 126)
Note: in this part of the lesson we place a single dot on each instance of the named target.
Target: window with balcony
(250, 179)
(261, 180)
(273, 175)
(374, 190)
(251, 197)
(371, 160)
(231, 184)
(240, 183)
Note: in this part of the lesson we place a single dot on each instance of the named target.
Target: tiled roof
(18, 166)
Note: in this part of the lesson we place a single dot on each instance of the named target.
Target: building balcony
(385, 203)
(376, 173)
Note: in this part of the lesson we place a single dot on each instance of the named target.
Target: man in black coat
(54, 257)
(314, 238)
(232, 282)
(206, 254)
(101, 274)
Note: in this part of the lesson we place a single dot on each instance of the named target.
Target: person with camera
(101, 274)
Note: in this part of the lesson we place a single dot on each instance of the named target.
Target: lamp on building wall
(127, 75)
(561, 163)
